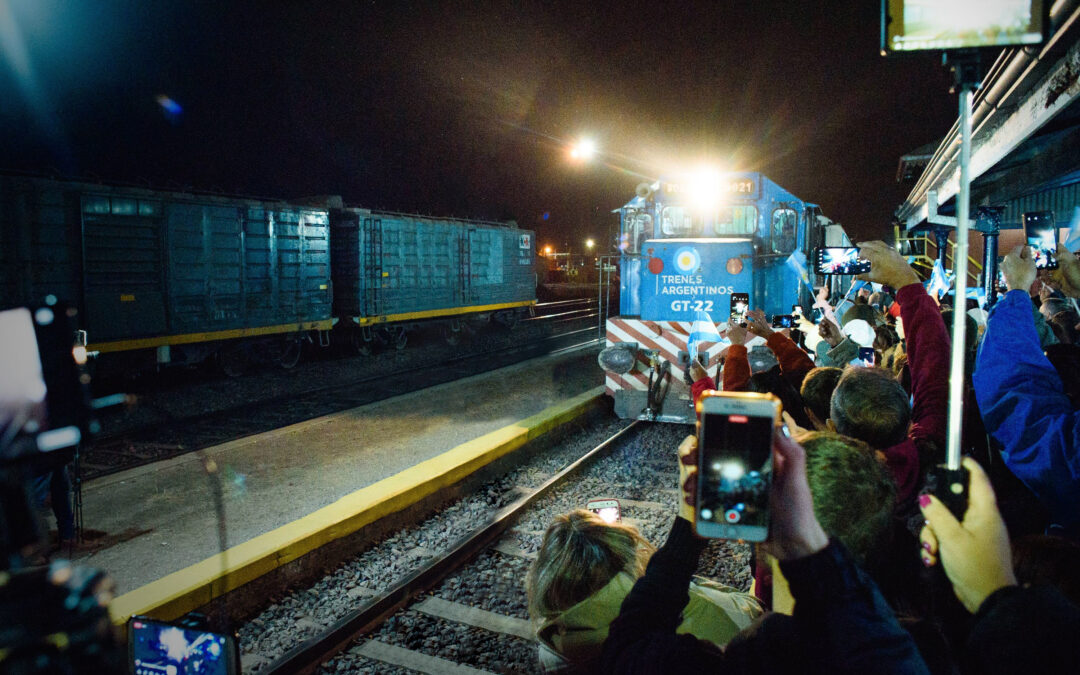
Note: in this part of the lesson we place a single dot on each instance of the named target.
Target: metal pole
(960, 264)
(990, 266)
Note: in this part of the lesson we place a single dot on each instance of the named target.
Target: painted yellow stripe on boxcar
(189, 338)
(432, 313)
(178, 593)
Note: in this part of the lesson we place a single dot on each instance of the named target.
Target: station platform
(164, 517)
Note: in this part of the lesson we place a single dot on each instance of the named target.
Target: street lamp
(589, 243)
(547, 250)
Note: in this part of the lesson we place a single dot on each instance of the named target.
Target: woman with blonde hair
(582, 573)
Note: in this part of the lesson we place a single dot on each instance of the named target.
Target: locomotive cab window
(678, 222)
(736, 221)
(784, 221)
(639, 227)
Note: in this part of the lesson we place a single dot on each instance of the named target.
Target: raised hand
(975, 553)
(736, 333)
(887, 266)
(1068, 272)
(1019, 269)
(757, 324)
(830, 333)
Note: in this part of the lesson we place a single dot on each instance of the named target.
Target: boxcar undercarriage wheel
(232, 359)
(290, 353)
(399, 338)
(451, 332)
(362, 343)
(507, 318)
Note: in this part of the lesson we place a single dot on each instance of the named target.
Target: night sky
(468, 108)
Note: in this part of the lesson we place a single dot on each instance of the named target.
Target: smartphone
(867, 357)
(162, 648)
(999, 281)
(607, 509)
(919, 25)
(740, 304)
(1041, 233)
(840, 260)
(735, 464)
(783, 321)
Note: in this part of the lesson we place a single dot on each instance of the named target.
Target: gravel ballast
(640, 467)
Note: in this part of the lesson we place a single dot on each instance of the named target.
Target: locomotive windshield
(736, 220)
(679, 221)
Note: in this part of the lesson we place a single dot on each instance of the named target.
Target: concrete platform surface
(164, 514)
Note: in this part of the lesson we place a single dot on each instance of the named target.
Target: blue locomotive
(179, 277)
(687, 247)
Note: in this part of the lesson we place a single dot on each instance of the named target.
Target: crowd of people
(863, 570)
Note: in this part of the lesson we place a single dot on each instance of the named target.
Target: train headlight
(618, 358)
(734, 266)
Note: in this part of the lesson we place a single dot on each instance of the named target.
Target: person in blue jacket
(1022, 401)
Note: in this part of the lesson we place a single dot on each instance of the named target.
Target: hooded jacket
(1024, 407)
(573, 639)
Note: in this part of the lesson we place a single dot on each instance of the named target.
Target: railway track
(178, 420)
(448, 595)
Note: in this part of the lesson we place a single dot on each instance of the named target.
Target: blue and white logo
(687, 259)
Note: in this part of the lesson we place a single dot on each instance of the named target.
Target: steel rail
(307, 656)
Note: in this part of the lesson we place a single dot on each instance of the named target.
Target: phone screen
(842, 260)
(607, 509)
(740, 304)
(159, 648)
(867, 357)
(783, 321)
(1041, 232)
(735, 466)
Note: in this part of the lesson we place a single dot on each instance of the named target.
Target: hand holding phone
(1041, 232)
(840, 260)
(1019, 270)
(734, 468)
(888, 267)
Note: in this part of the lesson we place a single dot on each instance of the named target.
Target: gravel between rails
(641, 468)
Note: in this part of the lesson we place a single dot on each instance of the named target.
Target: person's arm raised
(928, 343)
(788, 355)
(736, 372)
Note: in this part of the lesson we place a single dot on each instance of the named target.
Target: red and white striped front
(666, 337)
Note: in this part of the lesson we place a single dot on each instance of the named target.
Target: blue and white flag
(797, 262)
(1072, 240)
(702, 330)
(939, 282)
(977, 293)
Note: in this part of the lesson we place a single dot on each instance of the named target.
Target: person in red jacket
(794, 362)
(870, 405)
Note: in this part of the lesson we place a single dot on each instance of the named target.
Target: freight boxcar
(392, 271)
(168, 276)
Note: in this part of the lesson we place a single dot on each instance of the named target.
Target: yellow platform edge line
(432, 313)
(182, 591)
(149, 343)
